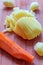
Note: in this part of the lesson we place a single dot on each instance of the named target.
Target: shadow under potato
(8, 8)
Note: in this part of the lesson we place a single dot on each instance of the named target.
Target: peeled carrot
(14, 49)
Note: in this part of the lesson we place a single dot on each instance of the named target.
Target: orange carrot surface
(14, 49)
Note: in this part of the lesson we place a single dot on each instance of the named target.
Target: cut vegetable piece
(8, 3)
(39, 48)
(34, 6)
(18, 30)
(14, 49)
(29, 26)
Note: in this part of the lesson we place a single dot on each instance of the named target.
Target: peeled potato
(39, 48)
(8, 3)
(34, 6)
(22, 13)
(27, 28)
(23, 23)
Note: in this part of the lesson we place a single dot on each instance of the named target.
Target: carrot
(14, 49)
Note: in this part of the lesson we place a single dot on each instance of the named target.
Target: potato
(34, 6)
(8, 3)
(39, 48)
(24, 23)
(27, 28)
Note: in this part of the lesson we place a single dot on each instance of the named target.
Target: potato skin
(39, 48)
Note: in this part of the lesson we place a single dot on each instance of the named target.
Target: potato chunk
(34, 6)
(28, 26)
(8, 3)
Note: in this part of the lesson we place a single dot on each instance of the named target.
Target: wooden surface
(5, 58)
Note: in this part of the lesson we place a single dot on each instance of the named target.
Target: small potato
(23, 23)
(39, 48)
(8, 3)
(34, 6)
(28, 28)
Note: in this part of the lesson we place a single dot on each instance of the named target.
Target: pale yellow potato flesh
(39, 48)
(8, 3)
(29, 26)
(34, 6)
(22, 13)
